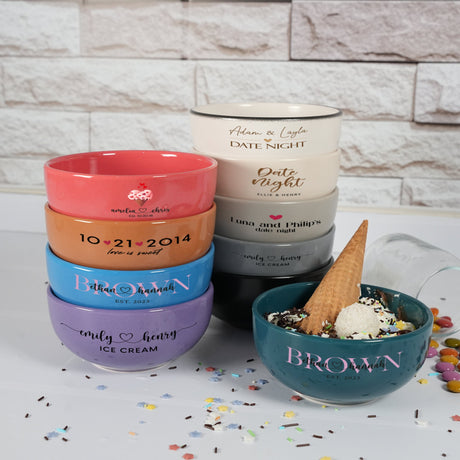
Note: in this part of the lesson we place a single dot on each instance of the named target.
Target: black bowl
(234, 294)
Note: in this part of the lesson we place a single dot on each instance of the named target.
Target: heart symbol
(335, 365)
(124, 289)
(107, 242)
(271, 257)
(126, 336)
(267, 140)
(278, 216)
(142, 209)
(139, 243)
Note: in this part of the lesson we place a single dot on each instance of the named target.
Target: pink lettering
(297, 356)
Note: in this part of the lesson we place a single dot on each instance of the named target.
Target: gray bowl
(272, 259)
(275, 221)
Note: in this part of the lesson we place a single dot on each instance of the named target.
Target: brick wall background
(80, 75)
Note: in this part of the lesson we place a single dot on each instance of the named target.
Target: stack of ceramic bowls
(130, 254)
(276, 197)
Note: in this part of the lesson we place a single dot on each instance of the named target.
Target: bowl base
(326, 402)
(112, 369)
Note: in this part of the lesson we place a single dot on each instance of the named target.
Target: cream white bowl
(278, 179)
(265, 129)
(275, 221)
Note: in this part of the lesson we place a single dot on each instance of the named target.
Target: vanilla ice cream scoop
(357, 318)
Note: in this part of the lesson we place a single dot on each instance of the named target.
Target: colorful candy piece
(442, 367)
(454, 386)
(450, 375)
(452, 342)
(449, 351)
(444, 322)
(449, 359)
(431, 352)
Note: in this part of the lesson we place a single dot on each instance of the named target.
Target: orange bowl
(130, 245)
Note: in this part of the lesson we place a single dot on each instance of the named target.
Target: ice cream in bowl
(341, 342)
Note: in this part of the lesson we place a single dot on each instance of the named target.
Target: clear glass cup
(404, 263)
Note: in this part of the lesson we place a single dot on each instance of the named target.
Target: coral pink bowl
(131, 184)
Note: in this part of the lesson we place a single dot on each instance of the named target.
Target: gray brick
(376, 30)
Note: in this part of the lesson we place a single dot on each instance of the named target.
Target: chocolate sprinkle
(303, 445)
(41, 398)
(318, 436)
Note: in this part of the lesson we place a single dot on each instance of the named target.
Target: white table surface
(101, 409)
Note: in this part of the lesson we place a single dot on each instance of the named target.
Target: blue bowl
(128, 289)
(336, 371)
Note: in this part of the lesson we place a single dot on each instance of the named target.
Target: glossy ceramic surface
(234, 294)
(130, 245)
(130, 340)
(275, 222)
(334, 371)
(279, 130)
(272, 259)
(278, 179)
(128, 289)
(131, 184)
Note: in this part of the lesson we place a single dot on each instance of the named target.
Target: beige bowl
(278, 179)
(265, 129)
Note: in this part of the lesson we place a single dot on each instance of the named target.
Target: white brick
(437, 95)
(238, 31)
(362, 90)
(376, 30)
(86, 84)
(396, 149)
(433, 193)
(39, 28)
(140, 131)
(41, 132)
(25, 172)
(139, 30)
(191, 31)
(369, 191)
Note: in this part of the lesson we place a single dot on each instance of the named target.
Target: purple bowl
(130, 340)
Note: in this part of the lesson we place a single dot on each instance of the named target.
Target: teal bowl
(335, 371)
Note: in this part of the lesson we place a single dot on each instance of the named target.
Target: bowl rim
(268, 245)
(203, 216)
(310, 201)
(51, 166)
(122, 313)
(205, 111)
(257, 316)
(114, 272)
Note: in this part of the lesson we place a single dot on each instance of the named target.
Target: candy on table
(449, 356)
(440, 322)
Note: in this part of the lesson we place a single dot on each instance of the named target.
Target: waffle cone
(340, 286)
